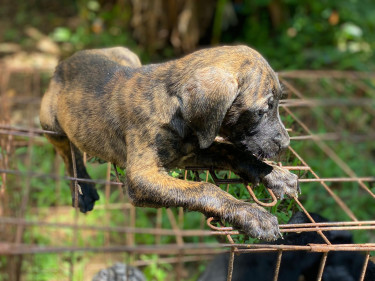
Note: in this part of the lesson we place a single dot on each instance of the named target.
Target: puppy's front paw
(281, 181)
(87, 199)
(256, 222)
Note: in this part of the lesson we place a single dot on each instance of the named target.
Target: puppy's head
(236, 100)
(252, 123)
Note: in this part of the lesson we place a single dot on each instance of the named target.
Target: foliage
(295, 34)
(292, 34)
(155, 272)
(100, 26)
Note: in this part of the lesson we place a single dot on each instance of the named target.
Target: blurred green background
(291, 34)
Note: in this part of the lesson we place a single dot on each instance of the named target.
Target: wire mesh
(317, 119)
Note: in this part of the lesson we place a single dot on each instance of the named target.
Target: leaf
(350, 30)
(61, 34)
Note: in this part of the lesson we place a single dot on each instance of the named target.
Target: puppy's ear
(206, 97)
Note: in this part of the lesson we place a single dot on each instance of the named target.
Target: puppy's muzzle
(282, 141)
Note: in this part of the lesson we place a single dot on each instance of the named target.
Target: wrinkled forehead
(274, 83)
(265, 84)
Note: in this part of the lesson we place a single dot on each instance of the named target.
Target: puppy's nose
(282, 140)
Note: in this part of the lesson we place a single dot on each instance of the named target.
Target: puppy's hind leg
(89, 195)
(48, 120)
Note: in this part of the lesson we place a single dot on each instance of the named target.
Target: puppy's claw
(79, 189)
(257, 181)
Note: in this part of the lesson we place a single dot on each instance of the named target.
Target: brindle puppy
(153, 118)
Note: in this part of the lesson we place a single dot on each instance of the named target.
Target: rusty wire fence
(331, 120)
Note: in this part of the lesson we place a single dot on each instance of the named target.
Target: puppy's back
(86, 72)
(121, 55)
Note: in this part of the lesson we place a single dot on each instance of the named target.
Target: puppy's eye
(270, 104)
(261, 112)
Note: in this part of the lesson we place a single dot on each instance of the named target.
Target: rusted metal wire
(333, 156)
(322, 145)
(182, 251)
(230, 265)
(317, 74)
(277, 266)
(362, 102)
(166, 249)
(310, 227)
(320, 248)
(253, 196)
(365, 266)
(330, 153)
(321, 266)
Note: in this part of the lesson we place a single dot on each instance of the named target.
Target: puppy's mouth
(258, 152)
(263, 156)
